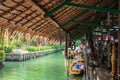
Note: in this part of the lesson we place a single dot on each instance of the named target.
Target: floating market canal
(49, 67)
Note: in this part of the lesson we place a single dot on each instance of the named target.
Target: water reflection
(50, 67)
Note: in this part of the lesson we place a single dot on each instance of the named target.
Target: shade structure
(54, 18)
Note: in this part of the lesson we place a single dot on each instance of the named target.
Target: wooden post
(118, 61)
(113, 60)
(66, 45)
(91, 43)
(108, 51)
(118, 70)
(108, 44)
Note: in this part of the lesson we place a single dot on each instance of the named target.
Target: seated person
(78, 65)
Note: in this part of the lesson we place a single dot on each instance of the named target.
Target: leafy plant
(2, 54)
(32, 48)
(9, 49)
(1, 48)
(18, 44)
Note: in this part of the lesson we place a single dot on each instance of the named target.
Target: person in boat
(78, 56)
(79, 65)
(78, 49)
(79, 52)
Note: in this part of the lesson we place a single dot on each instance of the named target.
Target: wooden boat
(77, 71)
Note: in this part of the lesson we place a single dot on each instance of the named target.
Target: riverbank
(28, 56)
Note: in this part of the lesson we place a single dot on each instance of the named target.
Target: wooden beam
(94, 8)
(10, 8)
(39, 23)
(31, 18)
(80, 14)
(20, 13)
(62, 12)
(56, 8)
(91, 24)
(25, 17)
(44, 27)
(68, 14)
(49, 13)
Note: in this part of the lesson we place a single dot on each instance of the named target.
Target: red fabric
(79, 63)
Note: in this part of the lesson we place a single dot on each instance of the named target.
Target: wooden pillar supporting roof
(118, 62)
(108, 44)
(118, 70)
(113, 61)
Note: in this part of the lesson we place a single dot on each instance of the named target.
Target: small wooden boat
(79, 70)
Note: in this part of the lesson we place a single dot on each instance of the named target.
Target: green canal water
(50, 67)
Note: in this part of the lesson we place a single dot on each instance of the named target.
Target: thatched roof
(52, 18)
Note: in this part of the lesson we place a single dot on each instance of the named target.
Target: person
(78, 49)
(78, 65)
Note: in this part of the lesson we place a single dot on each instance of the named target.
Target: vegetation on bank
(17, 42)
(2, 55)
(42, 48)
(31, 48)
